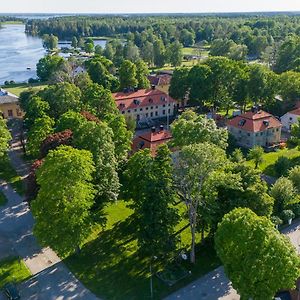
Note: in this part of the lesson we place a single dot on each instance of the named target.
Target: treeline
(256, 33)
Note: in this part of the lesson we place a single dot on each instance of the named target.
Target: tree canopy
(256, 257)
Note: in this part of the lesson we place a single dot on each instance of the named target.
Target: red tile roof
(151, 140)
(254, 121)
(141, 98)
(295, 112)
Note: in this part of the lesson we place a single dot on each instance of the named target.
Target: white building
(290, 118)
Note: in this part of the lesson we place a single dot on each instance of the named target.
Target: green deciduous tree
(98, 100)
(127, 75)
(62, 207)
(50, 42)
(40, 129)
(122, 136)
(174, 54)
(191, 128)
(98, 69)
(179, 84)
(193, 165)
(149, 183)
(36, 108)
(4, 136)
(257, 258)
(61, 98)
(48, 65)
(294, 176)
(142, 72)
(159, 53)
(256, 153)
(284, 194)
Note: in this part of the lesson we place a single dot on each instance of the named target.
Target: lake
(18, 52)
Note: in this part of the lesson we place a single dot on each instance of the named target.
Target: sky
(143, 6)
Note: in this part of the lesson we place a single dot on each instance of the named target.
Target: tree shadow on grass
(110, 265)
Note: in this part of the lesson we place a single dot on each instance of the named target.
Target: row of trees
(222, 83)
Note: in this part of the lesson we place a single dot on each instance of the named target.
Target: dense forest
(255, 32)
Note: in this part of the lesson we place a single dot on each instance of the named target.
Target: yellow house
(9, 105)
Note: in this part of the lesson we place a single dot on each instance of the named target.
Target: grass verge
(17, 89)
(8, 173)
(3, 199)
(269, 159)
(111, 266)
(13, 269)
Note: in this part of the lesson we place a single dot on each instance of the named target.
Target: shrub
(287, 215)
(282, 165)
(296, 209)
(276, 220)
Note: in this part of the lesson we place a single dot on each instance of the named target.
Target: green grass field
(13, 270)
(8, 173)
(17, 89)
(3, 199)
(111, 266)
(269, 159)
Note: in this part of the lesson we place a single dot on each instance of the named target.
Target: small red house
(151, 140)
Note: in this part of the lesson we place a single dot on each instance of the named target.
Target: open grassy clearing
(13, 269)
(269, 159)
(111, 266)
(17, 89)
(8, 173)
(3, 199)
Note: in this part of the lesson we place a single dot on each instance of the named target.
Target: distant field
(12, 23)
(17, 89)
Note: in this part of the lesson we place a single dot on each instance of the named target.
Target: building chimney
(153, 87)
(161, 127)
(153, 129)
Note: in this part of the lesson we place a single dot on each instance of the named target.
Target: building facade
(290, 118)
(9, 105)
(146, 104)
(255, 128)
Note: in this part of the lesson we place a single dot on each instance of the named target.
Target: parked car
(11, 291)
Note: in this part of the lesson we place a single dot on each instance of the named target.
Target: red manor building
(145, 105)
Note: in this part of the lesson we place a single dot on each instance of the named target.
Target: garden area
(13, 269)
(111, 266)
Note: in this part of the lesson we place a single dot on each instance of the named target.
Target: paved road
(52, 279)
(216, 285)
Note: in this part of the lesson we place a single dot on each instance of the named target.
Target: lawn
(3, 199)
(8, 173)
(111, 266)
(17, 89)
(13, 269)
(269, 159)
